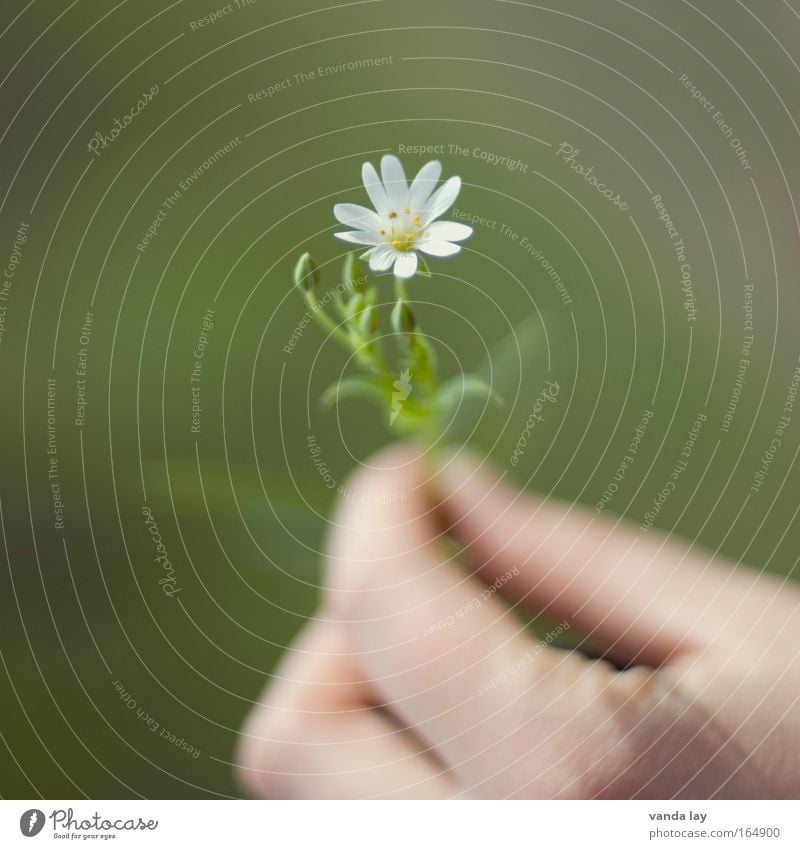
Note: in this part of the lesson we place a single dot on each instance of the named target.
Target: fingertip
(457, 467)
(468, 484)
(382, 518)
(389, 477)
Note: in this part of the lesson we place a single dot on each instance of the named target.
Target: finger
(510, 716)
(447, 656)
(644, 596)
(315, 734)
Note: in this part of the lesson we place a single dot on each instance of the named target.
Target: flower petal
(438, 248)
(447, 231)
(423, 185)
(382, 257)
(442, 200)
(394, 182)
(357, 216)
(405, 265)
(358, 237)
(374, 186)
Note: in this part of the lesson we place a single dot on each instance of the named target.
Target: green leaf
(422, 360)
(357, 386)
(368, 322)
(403, 319)
(354, 306)
(350, 308)
(461, 387)
(353, 276)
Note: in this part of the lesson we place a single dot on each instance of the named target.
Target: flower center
(403, 242)
(403, 230)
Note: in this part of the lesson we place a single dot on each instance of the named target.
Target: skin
(416, 678)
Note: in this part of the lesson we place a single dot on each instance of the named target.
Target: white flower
(404, 220)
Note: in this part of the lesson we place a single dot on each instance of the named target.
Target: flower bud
(368, 322)
(403, 320)
(306, 274)
(353, 276)
(355, 305)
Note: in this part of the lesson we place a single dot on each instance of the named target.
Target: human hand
(416, 680)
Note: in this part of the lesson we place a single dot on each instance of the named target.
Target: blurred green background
(87, 629)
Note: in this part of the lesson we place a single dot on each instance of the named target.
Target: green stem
(400, 289)
(365, 354)
(326, 321)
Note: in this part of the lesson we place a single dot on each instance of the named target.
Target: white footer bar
(400, 825)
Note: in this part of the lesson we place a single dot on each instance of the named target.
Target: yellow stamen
(404, 243)
(407, 210)
(392, 215)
